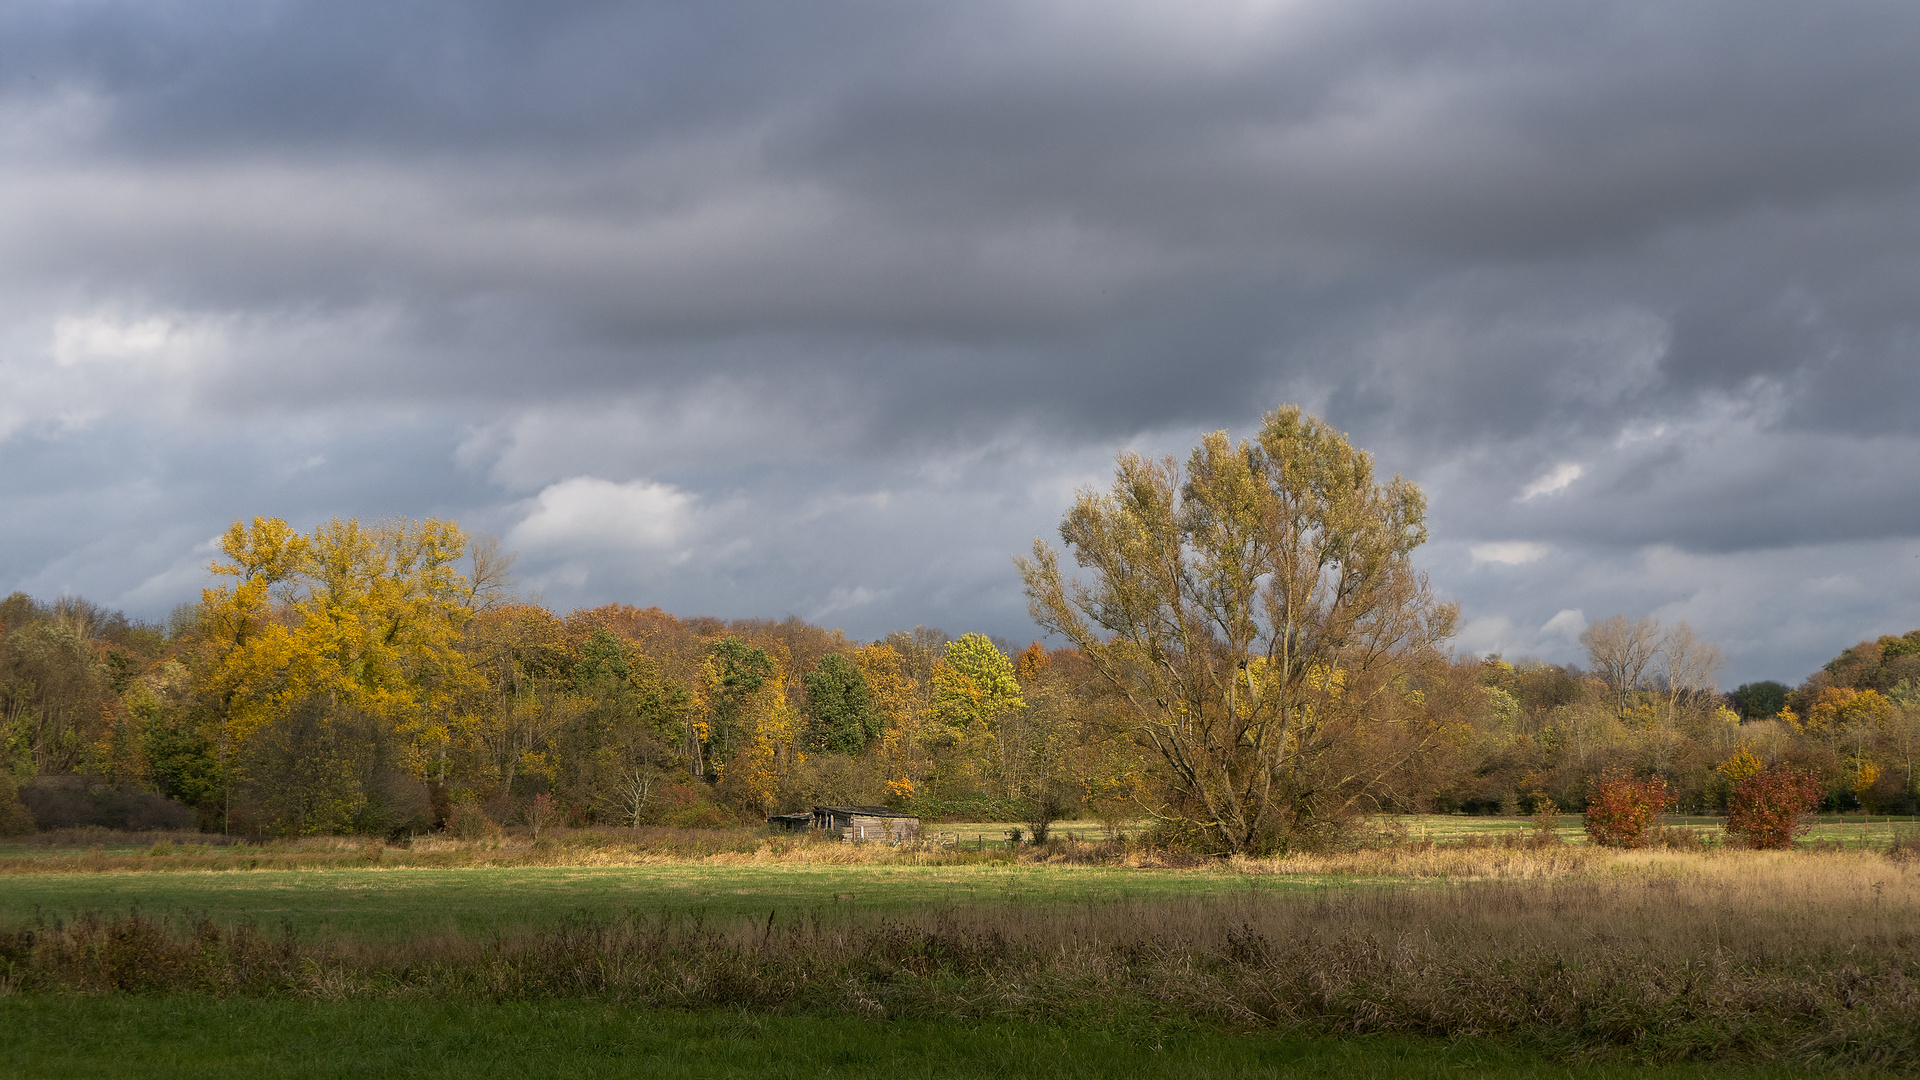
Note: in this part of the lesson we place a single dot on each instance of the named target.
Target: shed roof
(864, 811)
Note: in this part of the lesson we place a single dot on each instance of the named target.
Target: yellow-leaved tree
(520, 658)
(971, 690)
(895, 695)
(1840, 710)
(333, 669)
(753, 730)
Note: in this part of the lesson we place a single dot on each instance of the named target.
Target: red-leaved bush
(1764, 809)
(1621, 809)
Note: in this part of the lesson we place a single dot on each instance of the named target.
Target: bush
(1764, 809)
(64, 802)
(1546, 820)
(14, 818)
(1621, 809)
(1905, 846)
(1676, 839)
(698, 816)
(471, 824)
(541, 813)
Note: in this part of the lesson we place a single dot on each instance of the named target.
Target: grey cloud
(1778, 613)
(900, 261)
(911, 182)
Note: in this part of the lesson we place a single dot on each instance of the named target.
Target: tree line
(1646, 704)
(1250, 663)
(381, 678)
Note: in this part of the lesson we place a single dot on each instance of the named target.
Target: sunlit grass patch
(392, 904)
(1870, 831)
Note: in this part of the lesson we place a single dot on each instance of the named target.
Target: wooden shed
(857, 823)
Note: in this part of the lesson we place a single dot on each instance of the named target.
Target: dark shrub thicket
(15, 819)
(64, 802)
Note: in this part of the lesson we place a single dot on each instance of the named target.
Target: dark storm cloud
(769, 275)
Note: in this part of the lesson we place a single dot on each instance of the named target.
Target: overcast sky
(826, 309)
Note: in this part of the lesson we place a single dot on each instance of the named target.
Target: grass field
(984, 837)
(377, 904)
(1854, 830)
(1849, 830)
(200, 1039)
(1448, 951)
(327, 886)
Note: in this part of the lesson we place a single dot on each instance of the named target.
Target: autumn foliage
(1622, 809)
(1255, 663)
(383, 679)
(1765, 807)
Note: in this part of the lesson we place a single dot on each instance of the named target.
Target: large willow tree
(1258, 610)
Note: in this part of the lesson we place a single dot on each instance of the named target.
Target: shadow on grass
(205, 1039)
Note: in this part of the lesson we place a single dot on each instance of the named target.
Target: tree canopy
(1249, 658)
(1247, 606)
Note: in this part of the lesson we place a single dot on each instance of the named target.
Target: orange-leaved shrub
(1764, 809)
(1621, 809)
(470, 823)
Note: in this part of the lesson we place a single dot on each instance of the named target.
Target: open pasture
(91, 1038)
(396, 904)
(1572, 951)
(326, 886)
(1563, 950)
(1847, 831)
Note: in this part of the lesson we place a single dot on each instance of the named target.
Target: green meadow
(1456, 947)
(494, 892)
(78, 1038)
(396, 904)
(1844, 830)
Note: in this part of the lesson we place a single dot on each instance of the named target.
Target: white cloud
(1570, 623)
(77, 340)
(1639, 433)
(845, 599)
(1509, 552)
(588, 512)
(1553, 481)
(1486, 634)
(66, 375)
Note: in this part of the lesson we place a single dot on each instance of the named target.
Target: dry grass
(91, 851)
(97, 850)
(1456, 862)
(1512, 855)
(1812, 957)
